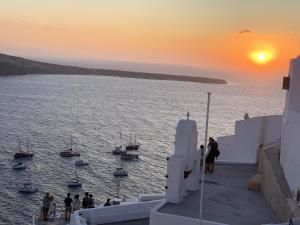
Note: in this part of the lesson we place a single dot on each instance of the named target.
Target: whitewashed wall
(290, 149)
(249, 135)
(159, 218)
(290, 142)
(103, 215)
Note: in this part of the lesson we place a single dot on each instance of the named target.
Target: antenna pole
(203, 164)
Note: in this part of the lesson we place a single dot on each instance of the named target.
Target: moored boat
(120, 172)
(132, 146)
(21, 154)
(75, 182)
(129, 156)
(69, 152)
(81, 162)
(28, 186)
(19, 166)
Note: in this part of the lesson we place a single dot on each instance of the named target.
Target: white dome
(186, 126)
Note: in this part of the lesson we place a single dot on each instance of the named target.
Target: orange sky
(204, 34)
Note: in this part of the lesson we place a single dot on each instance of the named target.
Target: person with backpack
(213, 153)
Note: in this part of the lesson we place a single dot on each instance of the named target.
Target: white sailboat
(75, 182)
(120, 171)
(118, 150)
(69, 152)
(28, 187)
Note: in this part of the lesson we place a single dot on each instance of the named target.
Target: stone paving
(227, 199)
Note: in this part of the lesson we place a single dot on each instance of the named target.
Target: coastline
(12, 65)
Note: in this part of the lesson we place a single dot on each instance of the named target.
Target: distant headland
(12, 65)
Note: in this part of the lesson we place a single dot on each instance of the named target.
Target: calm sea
(48, 109)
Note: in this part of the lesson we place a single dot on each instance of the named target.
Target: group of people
(71, 206)
(49, 207)
(212, 153)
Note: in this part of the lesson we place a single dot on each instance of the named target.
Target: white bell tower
(183, 172)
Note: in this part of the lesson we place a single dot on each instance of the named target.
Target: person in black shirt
(85, 201)
(107, 203)
(212, 154)
(91, 202)
(68, 207)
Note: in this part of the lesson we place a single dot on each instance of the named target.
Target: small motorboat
(129, 156)
(19, 166)
(75, 182)
(28, 188)
(120, 172)
(68, 153)
(81, 162)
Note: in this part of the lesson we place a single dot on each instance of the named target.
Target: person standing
(77, 203)
(91, 202)
(85, 201)
(202, 151)
(68, 207)
(52, 209)
(46, 205)
(212, 154)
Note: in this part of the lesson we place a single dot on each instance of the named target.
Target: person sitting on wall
(213, 152)
(107, 203)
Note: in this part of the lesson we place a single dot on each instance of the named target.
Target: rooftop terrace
(227, 199)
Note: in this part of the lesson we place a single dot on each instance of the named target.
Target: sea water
(47, 110)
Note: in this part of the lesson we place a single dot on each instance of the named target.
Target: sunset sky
(247, 38)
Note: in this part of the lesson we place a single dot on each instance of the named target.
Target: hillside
(12, 65)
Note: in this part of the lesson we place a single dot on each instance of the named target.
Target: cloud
(245, 31)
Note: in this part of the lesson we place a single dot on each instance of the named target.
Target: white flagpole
(203, 164)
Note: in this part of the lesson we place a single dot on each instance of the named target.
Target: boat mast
(27, 144)
(29, 173)
(19, 144)
(71, 144)
(76, 173)
(134, 139)
(121, 139)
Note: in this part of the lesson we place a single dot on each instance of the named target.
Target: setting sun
(262, 56)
